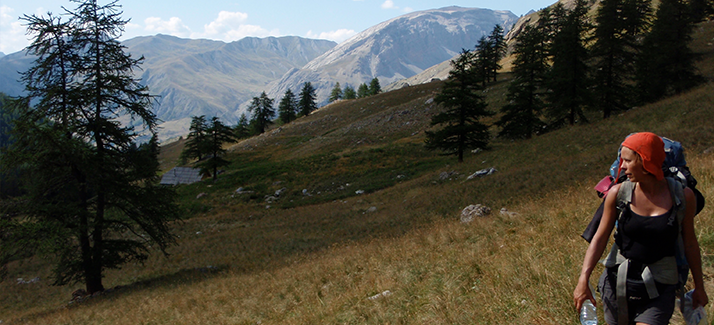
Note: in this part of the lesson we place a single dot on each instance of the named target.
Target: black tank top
(647, 239)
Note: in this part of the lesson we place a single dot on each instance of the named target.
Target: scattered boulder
(359, 192)
(23, 281)
(200, 195)
(447, 175)
(383, 294)
(280, 191)
(471, 211)
(241, 190)
(305, 192)
(79, 294)
(482, 173)
(372, 209)
(504, 212)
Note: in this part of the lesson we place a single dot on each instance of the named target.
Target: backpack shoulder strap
(624, 196)
(678, 199)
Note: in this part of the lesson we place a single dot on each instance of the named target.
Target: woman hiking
(640, 280)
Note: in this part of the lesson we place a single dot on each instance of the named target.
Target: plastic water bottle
(588, 315)
(692, 316)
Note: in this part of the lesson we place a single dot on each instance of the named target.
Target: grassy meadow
(396, 254)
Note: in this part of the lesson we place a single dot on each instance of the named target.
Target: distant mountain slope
(199, 77)
(441, 71)
(396, 49)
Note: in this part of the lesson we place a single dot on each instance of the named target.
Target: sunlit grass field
(397, 253)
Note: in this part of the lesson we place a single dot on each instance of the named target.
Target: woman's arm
(691, 250)
(596, 248)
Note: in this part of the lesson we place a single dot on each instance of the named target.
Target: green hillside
(397, 252)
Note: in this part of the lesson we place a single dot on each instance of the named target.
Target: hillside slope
(397, 252)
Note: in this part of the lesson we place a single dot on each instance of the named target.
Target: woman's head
(650, 150)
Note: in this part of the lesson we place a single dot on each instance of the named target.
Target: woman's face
(632, 164)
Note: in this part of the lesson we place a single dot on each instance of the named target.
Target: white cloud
(225, 22)
(230, 26)
(12, 32)
(389, 4)
(407, 9)
(132, 26)
(174, 26)
(337, 35)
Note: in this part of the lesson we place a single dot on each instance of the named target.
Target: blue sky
(231, 20)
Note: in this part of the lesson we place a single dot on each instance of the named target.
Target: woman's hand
(699, 298)
(582, 292)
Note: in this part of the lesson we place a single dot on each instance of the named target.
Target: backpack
(675, 167)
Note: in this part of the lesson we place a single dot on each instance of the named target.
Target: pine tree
(568, 79)
(349, 92)
(196, 146)
(363, 91)
(263, 112)
(483, 64)
(218, 134)
(93, 202)
(701, 10)
(465, 107)
(287, 108)
(242, 129)
(498, 50)
(9, 179)
(521, 117)
(306, 103)
(336, 93)
(374, 87)
(614, 52)
(666, 63)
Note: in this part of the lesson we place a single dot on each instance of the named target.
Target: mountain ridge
(396, 49)
(214, 78)
(197, 77)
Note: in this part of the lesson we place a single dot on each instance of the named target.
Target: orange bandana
(651, 148)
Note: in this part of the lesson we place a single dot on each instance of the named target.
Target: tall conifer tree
(619, 26)
(92, 186)
(263, 112)
(568, 80)
(666, 64)
(483, 60)
(242, 129)
(465, 107)
(498, 44)
(217, 134)
(197, 140)
(336, 93)
(363, 91)
(306, 103)
(521, 118)
(349, 92)
(287, 108)
(374, 87)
